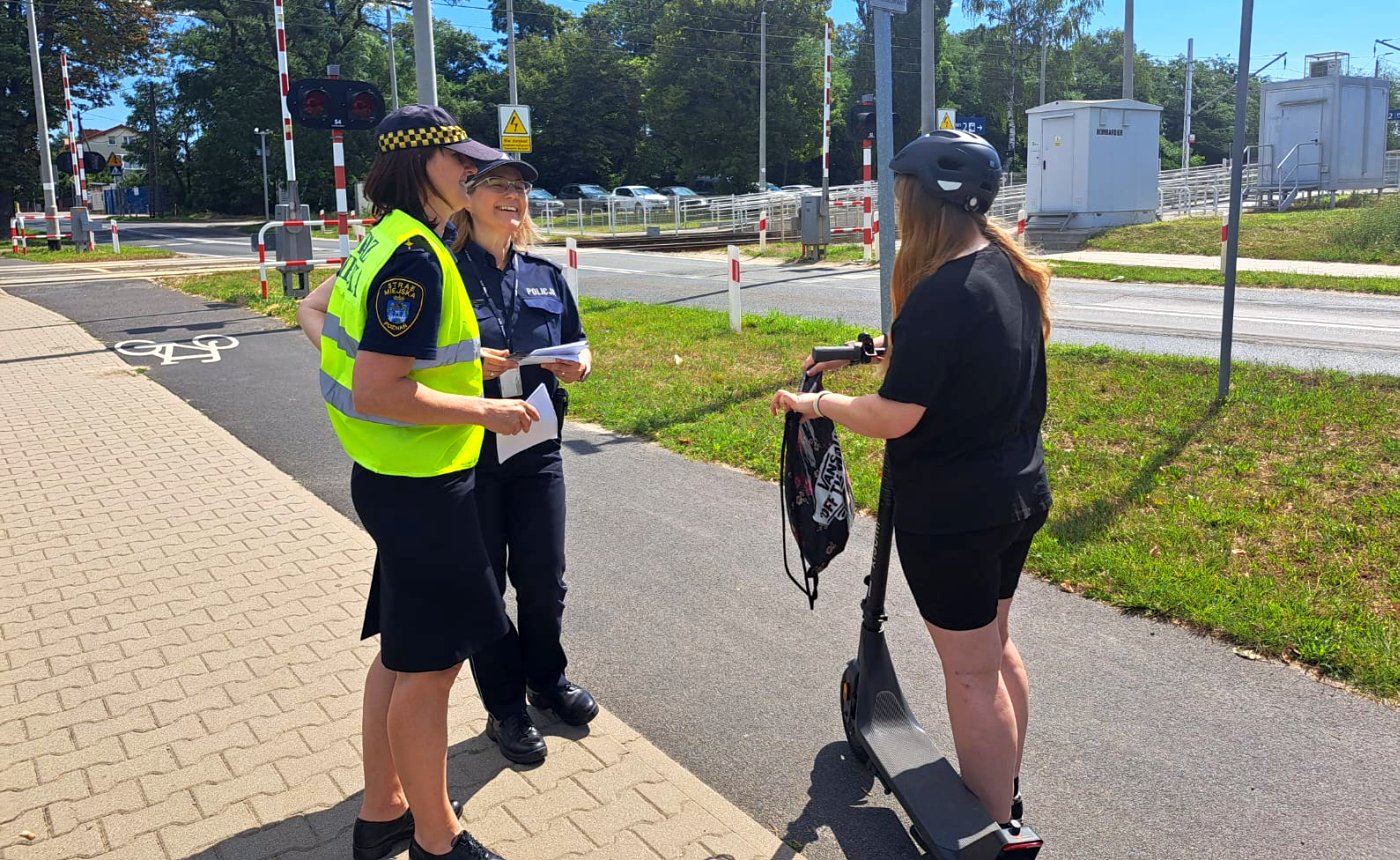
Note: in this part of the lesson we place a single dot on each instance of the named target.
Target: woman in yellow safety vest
(401, 377)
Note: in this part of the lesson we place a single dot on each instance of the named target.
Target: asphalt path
(1306, 329)
(1146, 742)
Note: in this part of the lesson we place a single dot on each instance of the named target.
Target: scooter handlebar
(863, 351)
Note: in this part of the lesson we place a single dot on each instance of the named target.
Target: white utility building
(1092, 163)
(1325, 132)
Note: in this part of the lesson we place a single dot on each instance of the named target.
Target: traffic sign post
(947, 119)
(515, 128)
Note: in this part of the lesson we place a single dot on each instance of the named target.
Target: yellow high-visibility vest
(379, 444)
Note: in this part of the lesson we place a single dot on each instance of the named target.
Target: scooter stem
(874, 604)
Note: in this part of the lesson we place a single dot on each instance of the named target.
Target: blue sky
(1161, 28)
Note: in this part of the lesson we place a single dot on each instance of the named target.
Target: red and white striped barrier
(867, 236)
(571, 266)
(284, 83)
(736, 317)
(762, 230)
(75, 147)
(263, 262)
(826, 104)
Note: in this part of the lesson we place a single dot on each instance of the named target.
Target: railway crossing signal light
(332, 103)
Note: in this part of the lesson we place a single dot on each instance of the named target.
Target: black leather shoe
(572, 703)
(464, 847)
(375, 840)
(517, 738)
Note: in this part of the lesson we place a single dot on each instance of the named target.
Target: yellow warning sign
(114, 160)
(947, 119)
(947, 123)
(514, 127)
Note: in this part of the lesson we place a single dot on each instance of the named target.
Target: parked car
(635, 198)
(541, 202)
(769, 188)
(592, 198)
(688, 199)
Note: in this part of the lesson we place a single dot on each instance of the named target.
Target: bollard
(1021, 227)
(116, 243)
(14, 237)
(1224, 236)
(762, 230)
(571, 267)
(736, 321)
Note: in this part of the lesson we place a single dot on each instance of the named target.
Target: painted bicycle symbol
(205, 347)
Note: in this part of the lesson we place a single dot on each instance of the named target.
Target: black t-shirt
(404, 303)
(967, 345)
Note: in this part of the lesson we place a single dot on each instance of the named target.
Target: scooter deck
(928, 787)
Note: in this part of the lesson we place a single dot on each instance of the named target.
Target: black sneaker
(375, 840)
(517, 738)
(572, 703)
(464, 847)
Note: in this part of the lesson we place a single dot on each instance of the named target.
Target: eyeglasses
(501, 186)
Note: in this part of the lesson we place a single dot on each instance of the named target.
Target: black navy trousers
(521, 508)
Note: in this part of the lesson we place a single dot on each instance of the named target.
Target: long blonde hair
(933, 232)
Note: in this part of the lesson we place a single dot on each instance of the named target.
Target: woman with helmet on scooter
(961, 404)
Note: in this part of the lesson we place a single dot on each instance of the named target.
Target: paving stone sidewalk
(180, 673)
(1195, 261)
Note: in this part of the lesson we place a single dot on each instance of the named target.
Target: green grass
(1368, 232)
(240, 288)
(1272, 521)
(791, 252)
(38, 253)
(1165, 275)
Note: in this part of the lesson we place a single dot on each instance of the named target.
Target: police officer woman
(962, 404)
(402, 380)
(522, 303)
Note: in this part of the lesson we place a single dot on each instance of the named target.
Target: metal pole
(510, 49)
(1044, 47)
(154, 171)
(1232, 246)
(884, 141)
(1186, 111)
(393, 63)
(425, 60)
(41, 121)
(1128, 49)
(825, 217)
(262, 148)
(763, 98)
(338, 165)
(928, 94)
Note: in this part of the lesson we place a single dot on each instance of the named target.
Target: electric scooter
(949, 823)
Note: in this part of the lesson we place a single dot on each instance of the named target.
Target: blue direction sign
(1395, 115)
(974, 124)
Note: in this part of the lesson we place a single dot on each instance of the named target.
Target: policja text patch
(398, 305)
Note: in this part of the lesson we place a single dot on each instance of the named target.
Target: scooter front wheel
(849, 681)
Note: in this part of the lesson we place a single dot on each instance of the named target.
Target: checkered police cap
(416, 126)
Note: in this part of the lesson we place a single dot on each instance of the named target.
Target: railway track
(698, 242)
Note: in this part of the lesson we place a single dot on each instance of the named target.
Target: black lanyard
(491, 300)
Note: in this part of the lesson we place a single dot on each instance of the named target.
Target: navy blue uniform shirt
(521, 308)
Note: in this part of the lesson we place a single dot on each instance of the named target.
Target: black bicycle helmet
(953, 165)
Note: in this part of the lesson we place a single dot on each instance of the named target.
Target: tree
(1024, 23)
(105, 43)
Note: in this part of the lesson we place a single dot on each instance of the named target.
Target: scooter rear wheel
(849, 680)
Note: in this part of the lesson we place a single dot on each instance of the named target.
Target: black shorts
(433, 599)
(957, 579)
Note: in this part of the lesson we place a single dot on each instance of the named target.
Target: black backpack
(817, 498)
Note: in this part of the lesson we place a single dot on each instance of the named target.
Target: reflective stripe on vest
(384, 445)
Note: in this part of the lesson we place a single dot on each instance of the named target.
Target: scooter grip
(849, 354)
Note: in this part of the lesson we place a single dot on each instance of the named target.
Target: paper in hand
(563, 352)
(543, 430)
